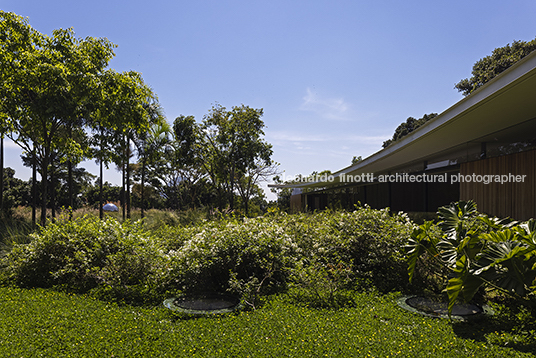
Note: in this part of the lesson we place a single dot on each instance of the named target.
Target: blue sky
(335, 78)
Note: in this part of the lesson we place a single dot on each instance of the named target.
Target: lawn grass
(46, 323)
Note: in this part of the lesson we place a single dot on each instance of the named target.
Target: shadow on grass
(500, 332)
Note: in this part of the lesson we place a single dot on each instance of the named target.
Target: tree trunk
(101, 209)
(246, 198)
(142, 185)
(44, 172)
(70, 182)
(34, 188)
(128, 179)
(231, 187)
(52, 189)
(71, 195)
(101, 202)
(123, 189)
(44, 182)
(193, 194)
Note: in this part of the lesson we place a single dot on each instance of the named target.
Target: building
(482, 148)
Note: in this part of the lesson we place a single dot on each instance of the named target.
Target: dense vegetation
(80, 285)
(407, 127)
(487, 68)
(321, 282)
(61, 105)
(475, 251)
(320, 255)
(319, 258)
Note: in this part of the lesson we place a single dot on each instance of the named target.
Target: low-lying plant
(38, 322)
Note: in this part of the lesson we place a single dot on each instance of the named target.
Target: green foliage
(356, 159)
(407, 127)
(232, 145)
(16, 192)
(322, 285)
(83, 254)
(319, 255)
(14, 230)
(240, 250)
(479, 251)
(320, 258)
(176, 171)
(367, 240)
(490, 66)
(41, 322)
(110, 193)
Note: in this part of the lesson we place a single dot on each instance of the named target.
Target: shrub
(231, 250)
(321, 286)
(83, 254)
(369, 241)
(320, 256)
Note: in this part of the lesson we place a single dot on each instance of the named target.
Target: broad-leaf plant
(478, 251)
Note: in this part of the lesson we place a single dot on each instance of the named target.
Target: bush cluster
(318, 257)
(83, 255)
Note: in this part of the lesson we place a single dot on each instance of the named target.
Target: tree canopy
(232, 146)
(62, 105)
(484, 70)
(490, 66)
(57, 93)
(407, 127)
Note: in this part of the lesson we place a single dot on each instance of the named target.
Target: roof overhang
(505, 101)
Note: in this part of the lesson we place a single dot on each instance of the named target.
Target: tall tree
(150, 144)
(53, 96)
(407, 127)
(247, 183)
(233, 143)
(178, 169)
(124, 112)
(17, 39)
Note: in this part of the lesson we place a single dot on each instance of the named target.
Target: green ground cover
(46, 323)
(312, 285)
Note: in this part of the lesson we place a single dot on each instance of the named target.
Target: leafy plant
(231, 249)
(84, 253)
(327, 252)
(321, 285)
(479, 251)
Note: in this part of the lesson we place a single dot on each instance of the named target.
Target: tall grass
(153, 217)
(15, 228)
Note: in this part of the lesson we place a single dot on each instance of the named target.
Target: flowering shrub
(316, 255)
(367, 243)
(240, 250)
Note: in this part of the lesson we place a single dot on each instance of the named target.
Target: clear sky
(335, 78)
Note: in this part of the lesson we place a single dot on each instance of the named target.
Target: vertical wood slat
(516, 200)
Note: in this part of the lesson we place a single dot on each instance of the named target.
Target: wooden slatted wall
(516, 200)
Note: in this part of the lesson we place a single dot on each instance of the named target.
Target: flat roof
(505, 101)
